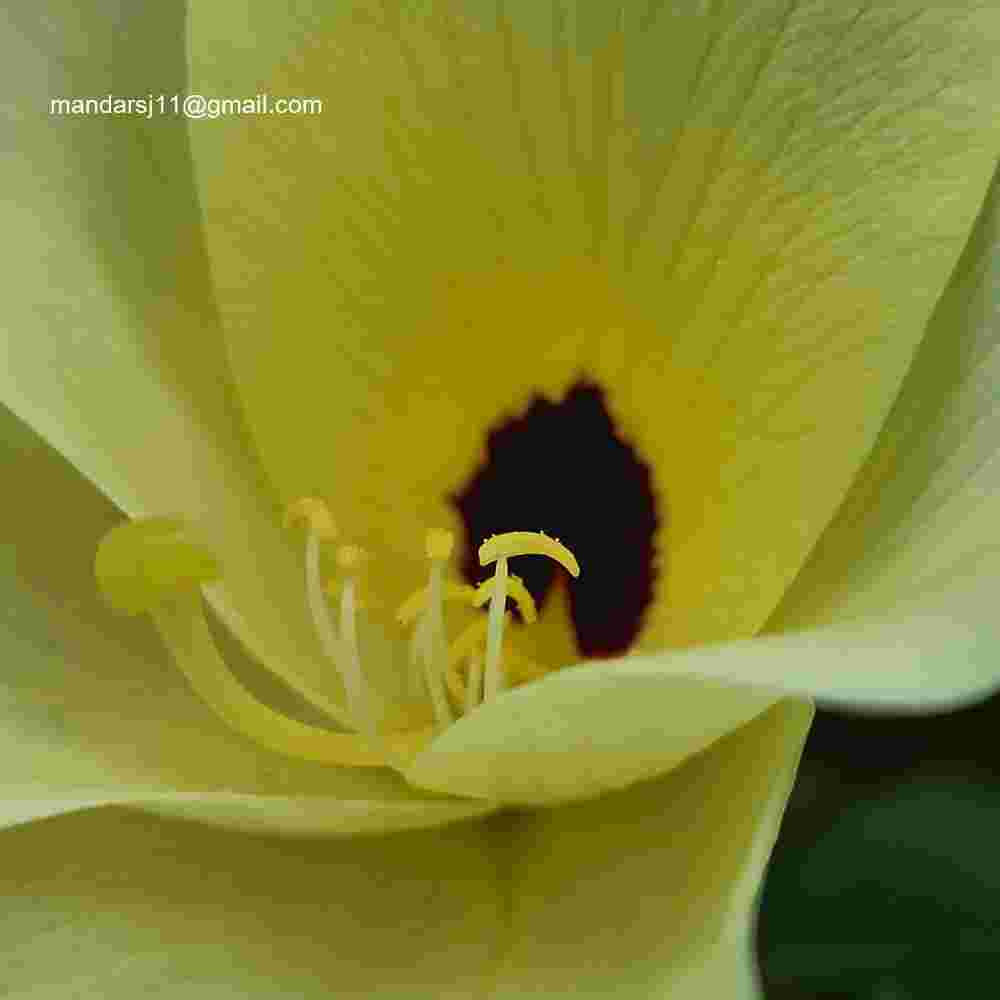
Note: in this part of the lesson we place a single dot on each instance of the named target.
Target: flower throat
(154, 566)
(564, 467)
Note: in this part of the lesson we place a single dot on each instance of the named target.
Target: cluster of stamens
(456, 676)
(153, 566)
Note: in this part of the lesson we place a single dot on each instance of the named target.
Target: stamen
(473, 683)
(419, 654)
(152, 566)
(527, 543)
(440, 545)
(349, 559)
(341, 650)
(329, 640)
(493, 678)
(515, 590)
(468, 641)
(315, 515)
(498, 549)
(463, 651)
(439, 548)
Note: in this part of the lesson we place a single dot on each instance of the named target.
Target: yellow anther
(440, 544)
(516, 590)
(527, 543)
(416, 603)
(314, 514)
(350, 558)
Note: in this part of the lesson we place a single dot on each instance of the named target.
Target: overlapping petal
(584, 731)
(733, 217)
(93, 712)
(894, 612)
(645, 891)
(915, 540)
(111, 347)
(583, 873)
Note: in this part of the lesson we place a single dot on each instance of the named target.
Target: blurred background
(885, 882)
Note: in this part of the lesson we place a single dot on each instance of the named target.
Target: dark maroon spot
(561, 468)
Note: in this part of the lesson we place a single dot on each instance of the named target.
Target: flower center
(458, 675)
(151, 565)
(560, 465)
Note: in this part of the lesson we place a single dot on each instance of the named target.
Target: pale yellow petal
(915, 541)
(727, 969)
(637, 895)
(734, 218)
(583, 731)
(92, 710)
(111, 346)
(911, 658)
(649, 892)
(117, 905)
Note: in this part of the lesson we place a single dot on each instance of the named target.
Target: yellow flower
(734, 220)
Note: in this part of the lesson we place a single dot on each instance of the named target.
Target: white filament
(436, 662)
(493, 678)
(419, 655)
(348, 665)
(473, 683)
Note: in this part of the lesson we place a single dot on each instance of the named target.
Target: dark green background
(885, 882)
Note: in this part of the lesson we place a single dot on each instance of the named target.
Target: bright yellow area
(744, 263)
(313, 514)
(440, 544)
